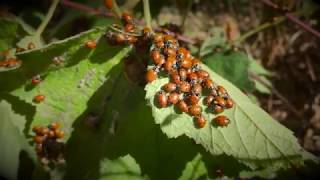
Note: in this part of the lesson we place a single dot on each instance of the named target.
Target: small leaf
(233, 66)
(252, 137)
(195, 169)
(10, 33)
(257, 69)
(121, 168)
(13, 143)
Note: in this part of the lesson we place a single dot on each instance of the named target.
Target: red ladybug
(193, 99)
(173, 98)
(183, 106)
(35, 80)
(229, 103)
(162, 99)
(201, 121)
(186, 63)
(175, 78)
(151, 75)
(208, 100)
(196, 89)
(108, 4)
(184, 87)
(169, 87)
(221, 121)
(183, 74)
(91, 44)
(202, 75)
(127, 18)
(195, 110)
(39, 98)
(217, 109)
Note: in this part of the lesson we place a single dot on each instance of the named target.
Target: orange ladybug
(39, 98)
(221, 121)
(201, 121)
(91, 44)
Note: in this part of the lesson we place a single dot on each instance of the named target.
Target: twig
(258, 29)
(292, 18)
(276, 93)
(146, 11)
(116, 8)
(85, 8)
(46, 20)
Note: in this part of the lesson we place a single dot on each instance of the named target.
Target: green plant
(113, 126)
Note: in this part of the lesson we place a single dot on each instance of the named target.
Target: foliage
(128, 136)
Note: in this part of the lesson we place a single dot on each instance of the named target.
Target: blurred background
(281, 69)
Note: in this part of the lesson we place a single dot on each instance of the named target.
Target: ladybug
(35, 80)
(127, 18)
(183, 74)
(39, 148)
(221, 90)
(196, 89)
(91, 44)
(173, 98)
(193, 77)
(31, 46)
(155, 55)
(108, 4)
(162, 99)
(129, 28)
(208, 83)
(44, 131)
(184, 53)
(39, 98)
(219, 101)
(169, 66)
(159, 44)
(151, 75)
(203, 75)
(195, 110)
(229, 103)
(38, 139)
(147, 34)
(54, 126)
(184, 87)
(119, 38)
(221, 121)
(201, 121)
(37, 129)
(186, 63)
(217, 109)
(193, 99)
(169, 38)
(208, 100)
(158, 38)
(196, 64)
(159, 62)
(59, 134)
(182, 105)
(169, 87)
(131, 40)
(51, 134)
(175, 78)
(170, 52)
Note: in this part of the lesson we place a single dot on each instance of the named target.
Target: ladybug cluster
(123, 35)
(187, 81)
(10, 63)
(48, 143)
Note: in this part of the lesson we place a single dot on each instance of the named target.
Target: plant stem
(46, 20)
(258, 29)
(85, 8)
(294, 19)
(146, 11)
(116, 9)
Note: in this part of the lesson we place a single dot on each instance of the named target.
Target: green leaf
(14, 146)
(256, 69)
(217, 39)
(252, 137)
(195, 169)
(121, 168)
(68, 89)
(233, 66)
(10, 33)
